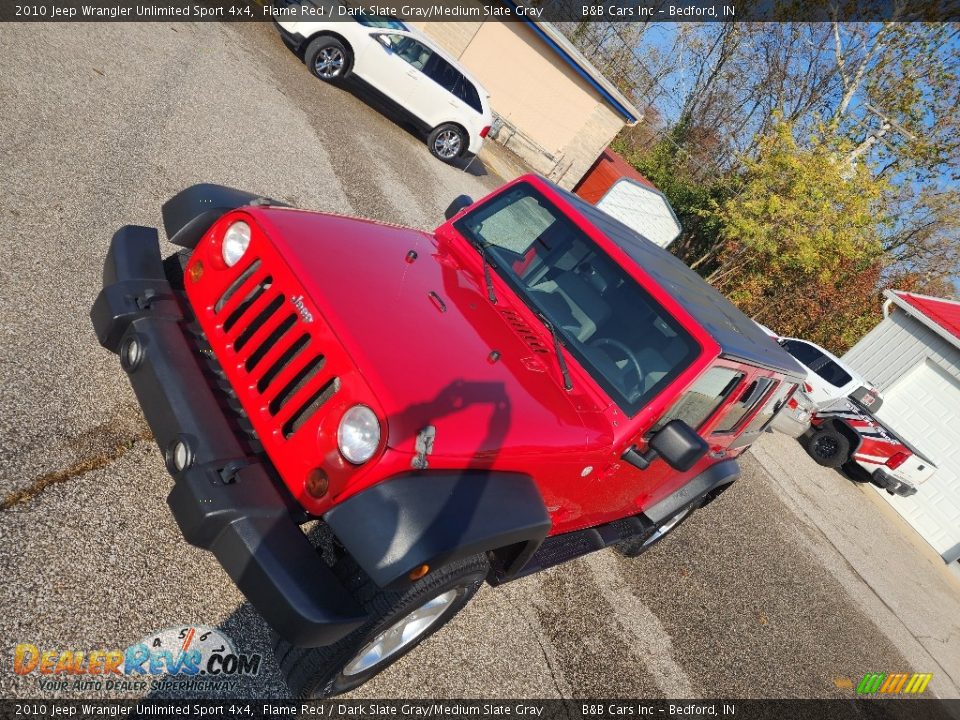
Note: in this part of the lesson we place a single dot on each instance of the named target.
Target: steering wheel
(627, 353)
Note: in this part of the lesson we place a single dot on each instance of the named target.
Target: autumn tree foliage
(812, 165)
(797, 246)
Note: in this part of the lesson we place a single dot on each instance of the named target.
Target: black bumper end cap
(247, 526)
(885, 481)
(134, 285)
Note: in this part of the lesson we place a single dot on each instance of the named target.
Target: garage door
(924, 407)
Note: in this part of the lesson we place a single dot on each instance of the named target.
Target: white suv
(403, 65)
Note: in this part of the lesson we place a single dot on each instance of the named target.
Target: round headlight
(235, 243)
(358, 434)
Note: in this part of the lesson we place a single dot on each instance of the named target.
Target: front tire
(447, 142)
(399, 621)
(828, 448)
(328, 58)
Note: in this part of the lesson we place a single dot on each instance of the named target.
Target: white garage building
(913, 357)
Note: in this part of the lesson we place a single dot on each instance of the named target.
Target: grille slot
(249, 299)
(529, 337)
(258, 322)
(305, 375)
(282, 362)
(313, 403)
(235, 285)
(271, 340)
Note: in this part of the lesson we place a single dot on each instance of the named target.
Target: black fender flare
(191, 212)
(708, 484)
(435, 517)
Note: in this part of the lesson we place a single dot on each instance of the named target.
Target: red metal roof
(605, 171)
(945, 313)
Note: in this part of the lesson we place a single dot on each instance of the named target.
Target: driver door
(701, 407)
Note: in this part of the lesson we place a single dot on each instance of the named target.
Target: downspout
(886, 307)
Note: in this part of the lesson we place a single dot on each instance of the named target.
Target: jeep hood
(430, 344)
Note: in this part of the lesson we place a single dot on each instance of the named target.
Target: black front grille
(274, 348)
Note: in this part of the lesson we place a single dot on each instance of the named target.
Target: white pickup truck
(847, 433)
(844, 430)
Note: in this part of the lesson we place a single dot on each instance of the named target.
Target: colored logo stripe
(893, 683)
(871, 683)
(918, 683)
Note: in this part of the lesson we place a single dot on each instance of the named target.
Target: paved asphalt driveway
(100, 124)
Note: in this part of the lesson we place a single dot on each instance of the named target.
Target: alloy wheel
(401, 634)
(825, 447)
(447, 144)
(329, 63)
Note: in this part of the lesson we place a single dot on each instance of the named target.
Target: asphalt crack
(81, 467)
(556, 675)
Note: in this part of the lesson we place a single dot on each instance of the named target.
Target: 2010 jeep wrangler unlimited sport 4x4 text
(531, 382)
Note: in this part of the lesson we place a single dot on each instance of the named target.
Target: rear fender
(847, 431)
(707, 486)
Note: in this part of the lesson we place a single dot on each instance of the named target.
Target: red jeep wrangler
(531, 382)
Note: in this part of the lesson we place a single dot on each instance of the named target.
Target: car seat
(574, 304)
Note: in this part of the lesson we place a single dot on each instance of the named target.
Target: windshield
(627, 342)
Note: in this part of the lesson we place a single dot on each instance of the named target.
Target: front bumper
(884, 480)
(225, 500)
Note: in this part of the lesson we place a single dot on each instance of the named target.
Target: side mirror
(459, 203)
(383, 39)
(677, 443)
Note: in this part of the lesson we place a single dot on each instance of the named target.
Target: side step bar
(556, 549)
(559, 549)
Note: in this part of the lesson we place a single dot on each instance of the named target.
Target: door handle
(411, 73)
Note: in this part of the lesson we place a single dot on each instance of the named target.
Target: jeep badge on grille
(297, 301)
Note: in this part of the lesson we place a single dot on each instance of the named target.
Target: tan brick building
(554, 109)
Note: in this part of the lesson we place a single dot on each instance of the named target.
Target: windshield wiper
(482, 246)
(561, 361)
